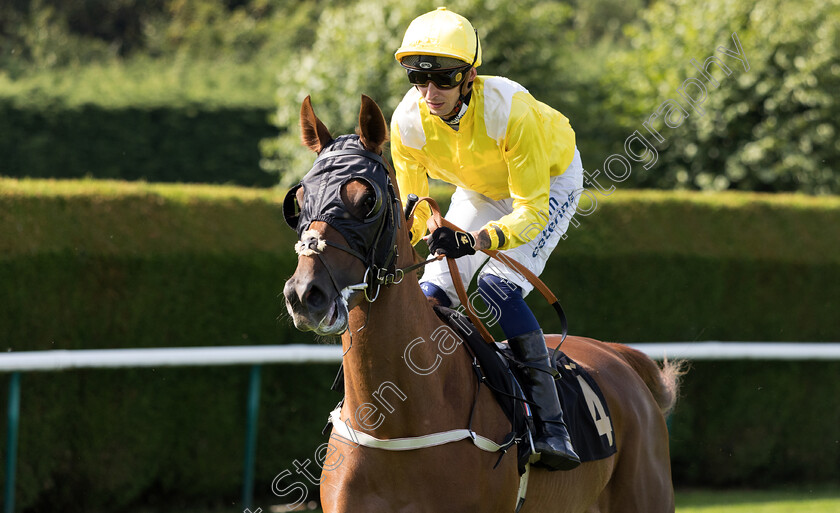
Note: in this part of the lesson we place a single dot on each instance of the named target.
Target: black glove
(451, 243)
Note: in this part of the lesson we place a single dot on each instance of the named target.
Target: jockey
(517, 173)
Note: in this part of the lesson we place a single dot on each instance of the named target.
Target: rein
(436, 221)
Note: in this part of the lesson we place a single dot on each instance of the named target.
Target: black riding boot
(552, 440)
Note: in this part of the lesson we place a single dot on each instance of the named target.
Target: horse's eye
(361, 198)
(369, 203)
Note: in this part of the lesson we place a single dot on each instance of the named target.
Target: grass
(753, 501)
(820, 500)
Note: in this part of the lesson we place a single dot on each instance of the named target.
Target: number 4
(597, 410)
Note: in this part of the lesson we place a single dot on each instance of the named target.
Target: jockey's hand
(453, 244)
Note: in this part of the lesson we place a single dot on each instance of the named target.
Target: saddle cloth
(584, 407)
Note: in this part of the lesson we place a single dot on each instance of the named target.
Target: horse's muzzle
(315, 309)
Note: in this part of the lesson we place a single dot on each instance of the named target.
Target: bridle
(371, 240)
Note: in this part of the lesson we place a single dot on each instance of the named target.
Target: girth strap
(412, 442)
(422, 442)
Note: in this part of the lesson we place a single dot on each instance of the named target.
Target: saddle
(587, 416)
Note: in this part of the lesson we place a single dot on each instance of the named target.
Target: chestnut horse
(331, 293)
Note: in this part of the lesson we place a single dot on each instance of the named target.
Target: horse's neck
(396, 371)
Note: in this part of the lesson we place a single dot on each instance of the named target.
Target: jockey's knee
(505, 297)
(433, 291)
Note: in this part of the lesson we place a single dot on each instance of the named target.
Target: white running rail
(15, 363)
(305, 353)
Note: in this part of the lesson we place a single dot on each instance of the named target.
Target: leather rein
(436, 221)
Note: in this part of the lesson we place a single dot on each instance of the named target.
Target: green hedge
(106, 264)
(179, 143)
(757, 424)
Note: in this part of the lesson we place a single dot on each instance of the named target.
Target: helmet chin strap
(460, 107)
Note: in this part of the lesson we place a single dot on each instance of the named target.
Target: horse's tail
(663, 382)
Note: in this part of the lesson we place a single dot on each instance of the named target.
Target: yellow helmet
(443, 34)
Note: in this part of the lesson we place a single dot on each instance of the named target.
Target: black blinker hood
(343, 160)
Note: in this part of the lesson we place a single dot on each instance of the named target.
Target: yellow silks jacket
(508, 145)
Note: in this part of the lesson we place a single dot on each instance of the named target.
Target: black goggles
(444, 79)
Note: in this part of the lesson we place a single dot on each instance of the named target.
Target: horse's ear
(313, 133)
(373, 130)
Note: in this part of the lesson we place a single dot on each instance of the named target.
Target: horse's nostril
(314, 299)
(290, 293)
(305, 298)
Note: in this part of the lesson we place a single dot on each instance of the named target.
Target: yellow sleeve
(411, 178)
(527, 155)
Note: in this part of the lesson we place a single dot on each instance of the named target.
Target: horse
(358, 287)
